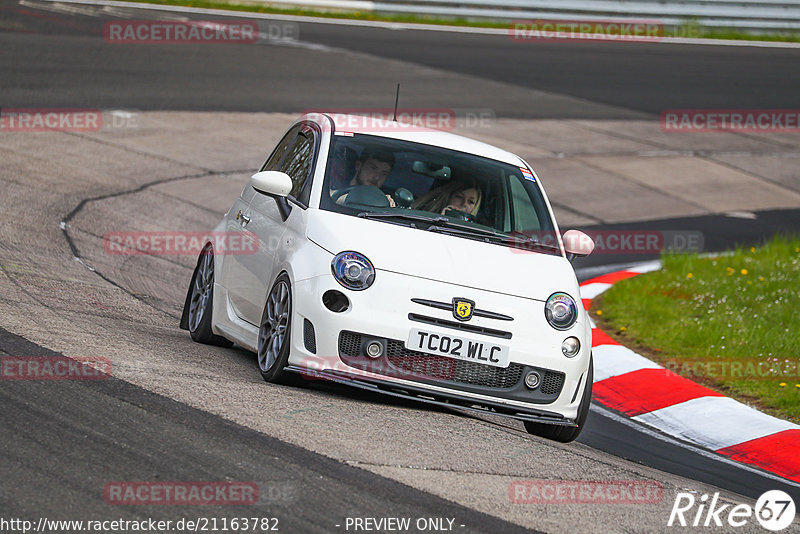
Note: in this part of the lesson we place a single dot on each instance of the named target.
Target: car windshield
(436, 189)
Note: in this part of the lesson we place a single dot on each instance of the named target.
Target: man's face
(371, 172)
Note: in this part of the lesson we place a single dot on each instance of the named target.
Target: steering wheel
(339, 193)
(362, 196)
(460, 215)
(402, 197)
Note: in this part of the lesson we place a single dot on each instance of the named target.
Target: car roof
(370, 125)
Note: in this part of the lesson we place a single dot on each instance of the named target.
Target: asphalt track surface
(56, 60)
(619, 80)
(111, 430)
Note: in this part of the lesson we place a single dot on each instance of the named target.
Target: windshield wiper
(399, 215)
(529, 242)
(444, 222)
(456, 230)
(437, 222)
(441, 223)
(515, 240)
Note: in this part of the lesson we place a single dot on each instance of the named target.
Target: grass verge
(731, 322)
(688, 29)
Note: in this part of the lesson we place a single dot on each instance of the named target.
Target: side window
(276, 157)
(297, 164)
(525, 216)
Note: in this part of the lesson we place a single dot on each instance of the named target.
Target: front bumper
(424, 395)
(385, 311)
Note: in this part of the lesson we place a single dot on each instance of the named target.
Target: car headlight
(560, 311)
(353, 270)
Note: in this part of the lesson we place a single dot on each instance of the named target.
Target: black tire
(275, 332)
(200, 301)
(565, 434)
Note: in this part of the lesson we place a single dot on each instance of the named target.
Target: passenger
(462, 195)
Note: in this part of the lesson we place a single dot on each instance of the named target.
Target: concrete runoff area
(182, 170)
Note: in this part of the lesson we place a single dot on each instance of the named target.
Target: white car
(404, 260)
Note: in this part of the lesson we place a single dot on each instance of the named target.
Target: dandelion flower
(599, 312)
(782, 384)
(690, 275)
(752, 249)
(730, 270)
(760, 278)
(743, 272)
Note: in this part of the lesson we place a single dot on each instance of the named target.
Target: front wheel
(565, 434)
(201, 301)
(274, 333)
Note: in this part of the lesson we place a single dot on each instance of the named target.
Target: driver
(372, 169)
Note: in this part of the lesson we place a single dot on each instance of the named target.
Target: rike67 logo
(774, 510)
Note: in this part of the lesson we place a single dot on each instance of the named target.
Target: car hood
(444, 258)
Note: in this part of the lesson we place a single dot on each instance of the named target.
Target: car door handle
(245, 219)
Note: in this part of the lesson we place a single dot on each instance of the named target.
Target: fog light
(374, 349)
(532, 380)
(570, 347)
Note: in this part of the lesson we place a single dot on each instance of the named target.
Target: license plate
(457, 347)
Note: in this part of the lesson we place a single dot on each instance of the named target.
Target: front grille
(476, 312)
(435, 367)
(460, 326)
(456, 370)
(552, 383)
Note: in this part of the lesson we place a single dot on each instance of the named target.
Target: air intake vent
(309, 339)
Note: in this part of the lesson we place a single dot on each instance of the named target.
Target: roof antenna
(396, 99)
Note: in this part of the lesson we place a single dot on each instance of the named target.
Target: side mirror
(272, 183)
(577, 244)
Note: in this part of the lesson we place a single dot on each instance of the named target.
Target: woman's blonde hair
(438, 199)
